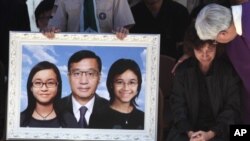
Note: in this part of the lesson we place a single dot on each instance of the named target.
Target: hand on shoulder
(182, 59)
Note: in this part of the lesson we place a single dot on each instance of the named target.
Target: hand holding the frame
(49, 32)
(121, 32)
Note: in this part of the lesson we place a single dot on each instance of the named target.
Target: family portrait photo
(83, 82)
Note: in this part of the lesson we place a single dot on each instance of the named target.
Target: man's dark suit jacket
(65, 107)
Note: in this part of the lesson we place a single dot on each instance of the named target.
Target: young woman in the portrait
(43, 90)
(124, 85)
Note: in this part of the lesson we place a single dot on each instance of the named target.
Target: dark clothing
(14, 16)
(112, 119)
(44, 123)
(62, 120)
(66, 107)
(223, 90)
(238, 51)
(171, 23)
(3, 99)
(205, 117)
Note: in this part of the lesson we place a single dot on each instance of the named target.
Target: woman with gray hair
(218, 23)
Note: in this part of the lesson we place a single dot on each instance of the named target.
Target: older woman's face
(206, 54)
(44, 86)
(125, 86)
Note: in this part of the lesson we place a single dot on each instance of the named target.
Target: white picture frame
(26, 45)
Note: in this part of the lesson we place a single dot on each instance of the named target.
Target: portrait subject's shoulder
(64, 104)
(100, 99)
(139, 113)
(100, 103)
(65, 99)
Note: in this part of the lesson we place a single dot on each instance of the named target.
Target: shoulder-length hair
(192, 42)
(44, 65)
(119, 67)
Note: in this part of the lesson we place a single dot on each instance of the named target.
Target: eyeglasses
(91, 74)
(120, 83)
(48, 84)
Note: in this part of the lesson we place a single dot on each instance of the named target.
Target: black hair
(83, 54)
(192, 41)
(43, 6)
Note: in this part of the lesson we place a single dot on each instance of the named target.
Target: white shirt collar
(237, 18)
(77, 106)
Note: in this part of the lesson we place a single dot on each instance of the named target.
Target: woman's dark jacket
(223, 87)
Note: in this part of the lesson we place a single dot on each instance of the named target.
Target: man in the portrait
(84, 72)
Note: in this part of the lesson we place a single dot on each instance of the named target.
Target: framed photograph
(29, 49)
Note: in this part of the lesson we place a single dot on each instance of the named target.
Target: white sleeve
(237, 15)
